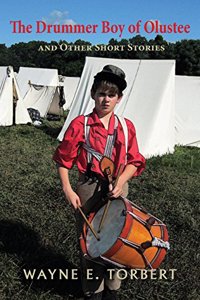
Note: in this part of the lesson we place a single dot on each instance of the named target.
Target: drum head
(112, 227)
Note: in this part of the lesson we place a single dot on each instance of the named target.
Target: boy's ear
(119, 99)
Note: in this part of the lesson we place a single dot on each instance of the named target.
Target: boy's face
(105, 101)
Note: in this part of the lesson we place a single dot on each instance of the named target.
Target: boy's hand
(116, 192)
(73, 199)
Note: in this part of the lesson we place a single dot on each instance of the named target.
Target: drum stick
(104, 215)
(89, 225)
(109, 201)
(118, 174)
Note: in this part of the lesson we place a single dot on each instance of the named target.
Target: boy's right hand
(73, 199)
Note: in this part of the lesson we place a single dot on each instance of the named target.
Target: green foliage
(188, 57)
(4, 55)
(70, 62)
(37, 227)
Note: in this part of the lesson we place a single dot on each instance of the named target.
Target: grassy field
(37, 228)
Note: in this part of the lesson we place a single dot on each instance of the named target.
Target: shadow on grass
(19, 240)
(51, 131)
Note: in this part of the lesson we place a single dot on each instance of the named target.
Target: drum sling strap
(109, 143)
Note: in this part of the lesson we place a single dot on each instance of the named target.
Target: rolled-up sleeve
(134, 157)
(68, 150)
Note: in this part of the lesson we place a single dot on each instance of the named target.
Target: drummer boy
(86, 141)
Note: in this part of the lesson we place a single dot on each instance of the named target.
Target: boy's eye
(104, 95)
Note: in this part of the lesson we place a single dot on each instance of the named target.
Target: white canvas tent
(148, 100)
(39, 88)
(9, 96)
(187, 109)
(70, 87)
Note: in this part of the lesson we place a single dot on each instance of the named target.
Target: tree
(70, 63)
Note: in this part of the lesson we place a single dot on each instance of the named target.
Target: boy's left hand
(117, 191)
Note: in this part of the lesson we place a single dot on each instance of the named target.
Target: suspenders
(125, 130)
(109, 143)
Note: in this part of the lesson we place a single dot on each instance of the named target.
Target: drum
(130, 237)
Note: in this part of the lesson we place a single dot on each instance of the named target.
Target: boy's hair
(106, 85)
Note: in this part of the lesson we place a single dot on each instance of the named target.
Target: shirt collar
(94, 120)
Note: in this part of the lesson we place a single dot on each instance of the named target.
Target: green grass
(37, 227)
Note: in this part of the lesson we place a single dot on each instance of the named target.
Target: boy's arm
(70, 195)
(127, 174)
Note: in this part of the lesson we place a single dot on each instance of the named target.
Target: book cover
(50, 51)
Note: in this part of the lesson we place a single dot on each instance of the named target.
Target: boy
(100, 132)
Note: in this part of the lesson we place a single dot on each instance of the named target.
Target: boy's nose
(107, 98)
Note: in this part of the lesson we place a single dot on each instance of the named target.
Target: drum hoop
(82, 244)
(124, 233)
(161, 251)
(82, 238)
(158, 258)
